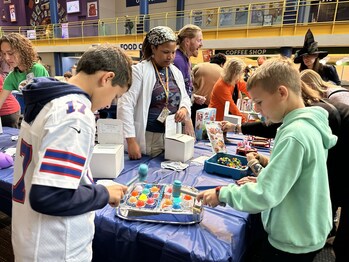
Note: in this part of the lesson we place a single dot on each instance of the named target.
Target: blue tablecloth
(222, 235)
(6, 175)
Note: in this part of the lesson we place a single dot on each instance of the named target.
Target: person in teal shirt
(19, 54)
(292, 190)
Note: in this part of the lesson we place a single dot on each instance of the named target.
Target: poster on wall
(73, 7)
(241, 14)
(226, 16)
(92, 10)
(12, 13)
(31, 34)
(65, 31)
(197, 18)
(257, 14)
(211, 17)
(206, 55)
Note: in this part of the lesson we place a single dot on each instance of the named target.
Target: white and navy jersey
(55, 151)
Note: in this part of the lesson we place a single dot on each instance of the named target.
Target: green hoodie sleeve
(274, 181)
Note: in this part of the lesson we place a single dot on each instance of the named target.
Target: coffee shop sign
(245, 52)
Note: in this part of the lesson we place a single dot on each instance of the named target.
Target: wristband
(236, 129)
(218, 190)
(256, 168)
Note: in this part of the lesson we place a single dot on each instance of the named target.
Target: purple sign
(130, 3)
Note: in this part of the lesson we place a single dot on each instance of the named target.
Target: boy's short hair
(110, 59)
(274, 73)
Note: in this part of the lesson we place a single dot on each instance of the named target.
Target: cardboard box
(203, 115)
(178, 147)
(108, 155)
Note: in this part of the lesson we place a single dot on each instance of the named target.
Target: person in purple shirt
(189, 41)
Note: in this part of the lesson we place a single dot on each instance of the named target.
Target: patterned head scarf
(161, 34)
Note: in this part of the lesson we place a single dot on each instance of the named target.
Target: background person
(189, 42)
(157, 90)
(309, 58)
(128, 25)
(325, 89)
(67, 75)
(205, 75)
(224, 88)
(10, 110)
(20, 55)
(261, 60)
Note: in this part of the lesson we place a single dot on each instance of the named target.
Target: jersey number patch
(26, 153)
(75, 106)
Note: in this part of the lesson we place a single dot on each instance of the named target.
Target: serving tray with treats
(260, 141)
(155, 203)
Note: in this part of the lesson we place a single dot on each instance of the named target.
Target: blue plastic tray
(212, 167)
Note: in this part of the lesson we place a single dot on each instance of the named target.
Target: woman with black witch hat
(309, 57)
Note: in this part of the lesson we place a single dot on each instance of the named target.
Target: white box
(108, 155)
(107, 160)
(178, 147)
(231, 118)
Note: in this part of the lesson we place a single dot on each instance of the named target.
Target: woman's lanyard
(164, 85)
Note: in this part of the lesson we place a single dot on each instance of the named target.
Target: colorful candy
(230, 162)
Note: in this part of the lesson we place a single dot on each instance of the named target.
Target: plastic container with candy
(215, 165)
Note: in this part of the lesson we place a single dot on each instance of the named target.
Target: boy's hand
(264, 160)
(246, 179)
(116, 193)
(252, 155)
(227, 126)
(209, 198)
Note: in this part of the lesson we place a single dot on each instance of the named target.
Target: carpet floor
(6, 253)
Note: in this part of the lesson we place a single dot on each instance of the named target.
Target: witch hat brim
(310, 47)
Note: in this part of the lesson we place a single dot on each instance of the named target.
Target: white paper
(110, 131)
(170, 126)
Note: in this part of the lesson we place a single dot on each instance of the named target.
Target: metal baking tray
(155, 203)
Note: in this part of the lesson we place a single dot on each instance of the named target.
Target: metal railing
(276, 14)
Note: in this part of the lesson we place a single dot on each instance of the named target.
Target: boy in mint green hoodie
(291, 192)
